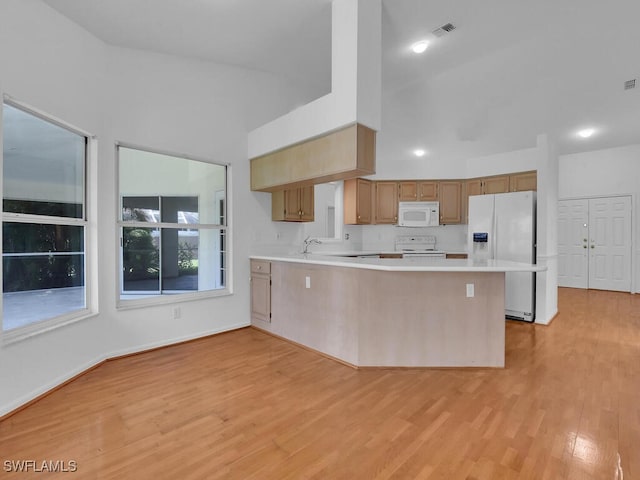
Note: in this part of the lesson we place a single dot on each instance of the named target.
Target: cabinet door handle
(593, 246)
(259, 267)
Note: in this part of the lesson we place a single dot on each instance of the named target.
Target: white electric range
(418, 246)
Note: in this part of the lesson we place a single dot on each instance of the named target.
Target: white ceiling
(510, 70)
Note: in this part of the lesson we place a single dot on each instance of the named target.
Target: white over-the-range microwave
(418, 214)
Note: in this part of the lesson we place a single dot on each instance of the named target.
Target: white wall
(609, 172)
(176, 105)
(356, 82)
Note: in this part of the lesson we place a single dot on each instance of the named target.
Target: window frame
(88, 213)
(170, 298)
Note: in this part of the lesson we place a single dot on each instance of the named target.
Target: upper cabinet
(387, 201)
(450, 198)
(497, 184)
(428, 190)
(522, 182)
(293, 204)
(337, 155)
(376, 202)
(358, 201)
(407, 191)
(420, 191)
(515, 182)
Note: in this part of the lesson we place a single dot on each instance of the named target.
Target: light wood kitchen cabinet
(522, 182)
(473, 186)
(407, 191)
(261, 290)
(428, 191)
(497, 184)
(387, 201)
(358, 201)
(421, 190)
(450, 198)
(487, 185)
(293, 204)
(337, 155)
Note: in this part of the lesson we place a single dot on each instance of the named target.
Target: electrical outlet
(176, 313)
(470, 290)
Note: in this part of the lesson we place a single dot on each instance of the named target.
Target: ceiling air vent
(444, 29)
(629, 84)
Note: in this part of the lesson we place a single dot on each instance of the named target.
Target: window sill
(168, 299)
(23, 333)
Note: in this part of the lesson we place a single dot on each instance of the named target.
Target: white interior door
(610, 243)
(594, 243)
(573, 236)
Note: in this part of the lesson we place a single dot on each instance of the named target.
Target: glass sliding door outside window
(173, 224)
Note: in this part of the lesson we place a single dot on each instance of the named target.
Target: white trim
(177, 226)
(185, 156)
(87, 222)
(32, 329)
(41, 219)
(170, 298)
(9, 100)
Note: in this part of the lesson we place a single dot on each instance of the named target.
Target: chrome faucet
(308, 242)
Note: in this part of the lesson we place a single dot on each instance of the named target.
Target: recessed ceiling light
(419, 152)
(586, 133)
(420, 46)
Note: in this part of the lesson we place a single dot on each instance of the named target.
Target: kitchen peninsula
(375, 312)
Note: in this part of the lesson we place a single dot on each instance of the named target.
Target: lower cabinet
(261, 290)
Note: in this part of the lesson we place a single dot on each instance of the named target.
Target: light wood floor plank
(245, 405)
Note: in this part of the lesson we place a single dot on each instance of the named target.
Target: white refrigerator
(509, 220)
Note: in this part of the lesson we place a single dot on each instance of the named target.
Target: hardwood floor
(244, 405)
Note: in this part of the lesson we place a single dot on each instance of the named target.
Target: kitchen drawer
(261, 266)
(457, 255)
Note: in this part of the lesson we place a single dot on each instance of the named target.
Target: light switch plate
(307, 282)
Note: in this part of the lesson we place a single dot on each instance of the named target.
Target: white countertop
(414, 264)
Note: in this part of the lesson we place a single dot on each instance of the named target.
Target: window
(43, 220)
(172, 224)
